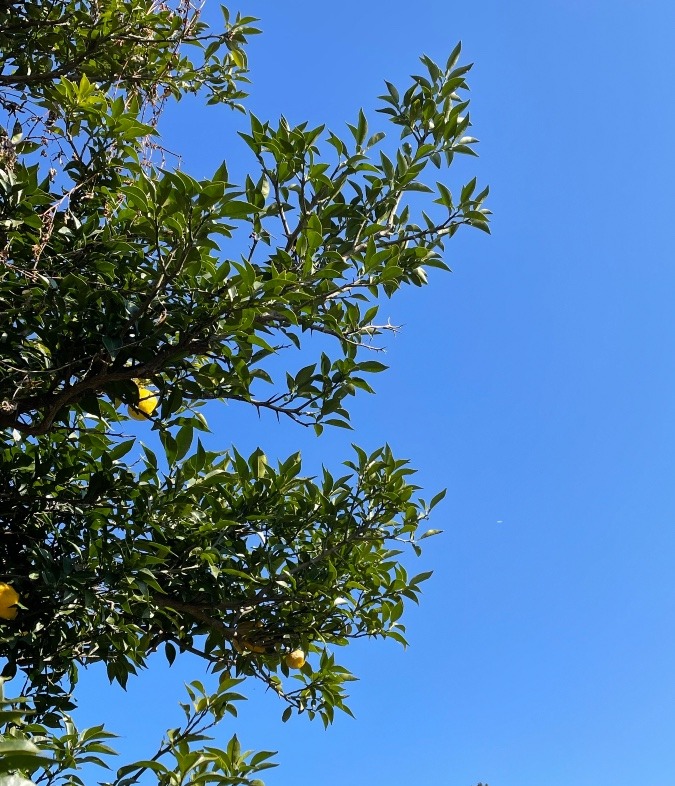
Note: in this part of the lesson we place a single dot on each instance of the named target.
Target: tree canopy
(130, 290)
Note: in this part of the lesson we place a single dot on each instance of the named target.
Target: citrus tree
(130, 290)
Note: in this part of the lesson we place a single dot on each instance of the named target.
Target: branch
(72, 394)
(195, 611)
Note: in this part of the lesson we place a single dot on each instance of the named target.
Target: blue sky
(536, 382)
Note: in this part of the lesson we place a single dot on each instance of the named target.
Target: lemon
(295, 659)
(147, 404)
(8, 598)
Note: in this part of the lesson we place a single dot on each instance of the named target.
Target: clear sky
(536, 382)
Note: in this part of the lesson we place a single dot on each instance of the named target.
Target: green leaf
(121, 450)
(170, 652)
(437, 498)
(17, 753)
(15, 779)
(184, 440)
(238, 209)
(372, 366)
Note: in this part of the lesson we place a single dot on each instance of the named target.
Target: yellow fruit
(147, 404)
(8, 598)
(295, 659)
(147, 401)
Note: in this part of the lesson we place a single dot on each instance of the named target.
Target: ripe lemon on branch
(9, 597)
(295, 659)
(147, 404)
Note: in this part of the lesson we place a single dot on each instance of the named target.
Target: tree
(130, 290)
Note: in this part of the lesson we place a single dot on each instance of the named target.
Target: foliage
(128, 289)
